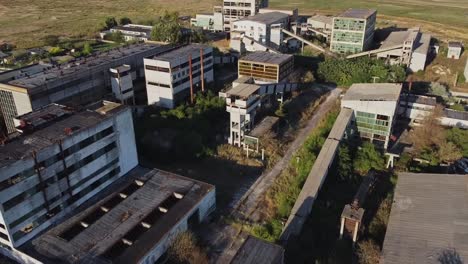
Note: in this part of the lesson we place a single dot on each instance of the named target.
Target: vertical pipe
(202, 71)
(191, 78)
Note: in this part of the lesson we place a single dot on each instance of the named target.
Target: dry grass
(184, 249)
(26, 22)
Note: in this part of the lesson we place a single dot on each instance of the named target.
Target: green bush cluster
(193, 129)
(345, 72)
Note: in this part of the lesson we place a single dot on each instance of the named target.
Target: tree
(430, 133)
(345, 72)
(125, 21)
(308, 77)
(51, 40)
(438, 89)
(449, 153)
(345, 162)
(167, 28)
(431, 141)
(110, 22)
(87, 49)
(459, 137)
(368, 158)
(198, 36)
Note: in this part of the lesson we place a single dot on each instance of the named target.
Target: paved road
(226, 240)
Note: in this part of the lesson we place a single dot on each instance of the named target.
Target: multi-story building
(131, 32)
(375, 106)
(171, 76)
(320, 23)
(122, 84)
(261, 29)
(237, 9)
(62, 159)
(136, 221)
(266, 67)
(353, 31)
(410, 48)
(454, 50)
(77, 82)
(212, 22)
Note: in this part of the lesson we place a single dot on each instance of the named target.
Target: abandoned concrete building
(266, 67)
(133, 221)
(454, 50)
(353, 31)
(75, 83)
(172, 76)
(375, 107)
(62, 159)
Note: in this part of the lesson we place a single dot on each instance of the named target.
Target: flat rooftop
(257, 251)
(460, 115)
(373, 92)
(243, 90)
(420, 99)
(84, 64)
(180, 52)
(124, 224)
(266, 18)
(322, 18)
(428, 221)
(52, 123)
(267, 57)
(358, 13)
(455, 44)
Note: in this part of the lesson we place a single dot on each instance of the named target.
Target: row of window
(186, 79)
(37, 209)
(77, 147)
(47, 162)
(159, 84)
(227, 3)
(37, 188)
(19, 234)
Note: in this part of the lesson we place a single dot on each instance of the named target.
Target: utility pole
(191, 78)
(202, 71)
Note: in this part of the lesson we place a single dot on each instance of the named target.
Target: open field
(447, 19)
(26, 22)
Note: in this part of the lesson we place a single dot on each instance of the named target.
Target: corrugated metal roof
(429, 220)
(257, 251)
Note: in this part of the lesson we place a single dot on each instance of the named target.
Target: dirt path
(223, 239)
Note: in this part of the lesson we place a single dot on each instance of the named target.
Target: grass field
(26, 22)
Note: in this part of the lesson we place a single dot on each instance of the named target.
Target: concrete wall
(454, 53)
(124, 138)
(205, 207)
(466, 71)
(165, 95)
(418, 62)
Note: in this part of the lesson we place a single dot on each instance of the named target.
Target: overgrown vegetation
(281, 196)
(185, 250)
(345, 72)
(430, 140)
(184, 133)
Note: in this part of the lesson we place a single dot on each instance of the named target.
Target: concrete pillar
(342, 227)
(356, 229)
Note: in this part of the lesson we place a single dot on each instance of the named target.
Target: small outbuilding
(454, 50)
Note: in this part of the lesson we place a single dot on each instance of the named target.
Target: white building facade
(62, 159)
(122, 84)
(234, 10)
(375, 107)
(169, 77)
